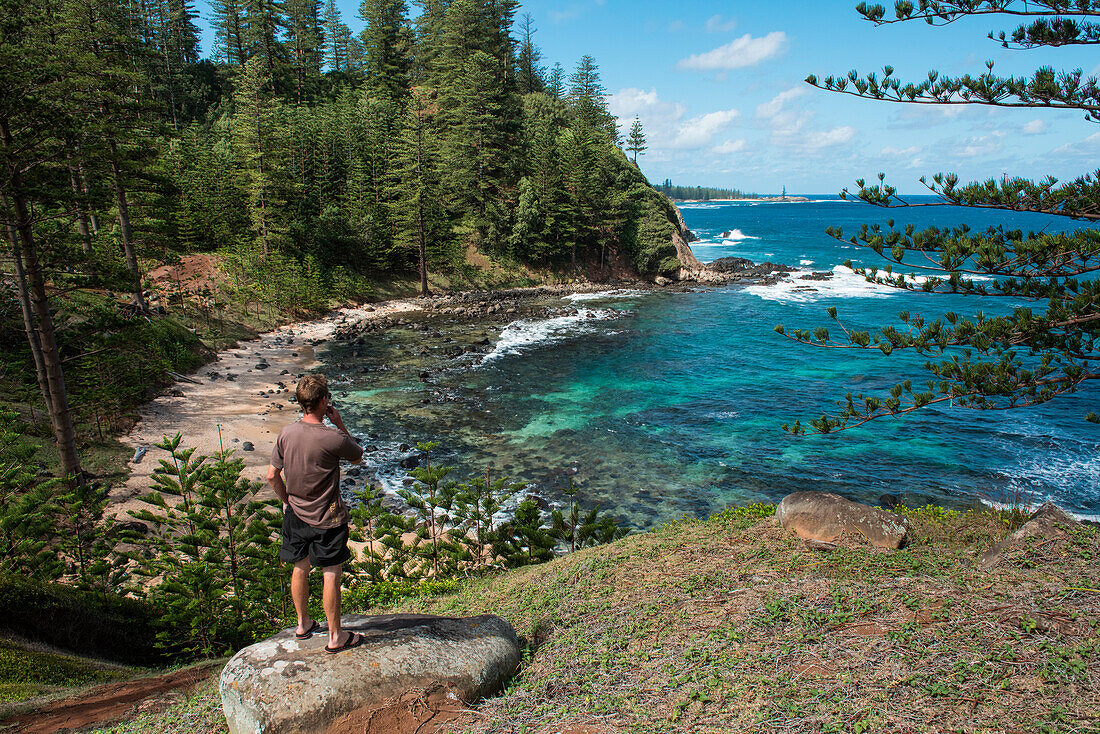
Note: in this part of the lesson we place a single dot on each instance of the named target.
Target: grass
(29, 673)
(731, 624)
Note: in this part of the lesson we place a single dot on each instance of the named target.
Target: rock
(889, 501)
(286, 685)
(830, 518)
(731, 265)
(818, 545)
(661, 280)
(139, 455)
(404, 447)
(1049, 521)
(410, 462)
(247, 446)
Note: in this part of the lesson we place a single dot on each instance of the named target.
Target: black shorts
(324, 546)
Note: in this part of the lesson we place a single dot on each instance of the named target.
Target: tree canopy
(1044, 344)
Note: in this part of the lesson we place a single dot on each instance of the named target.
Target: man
(305, 474)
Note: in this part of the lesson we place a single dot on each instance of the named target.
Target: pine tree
(589, 98)
(230, 43)
(635, 143)
(423, 222)
(1028, 356)
(305, 43)
(264, 23)
(530, 73)
(256, 134)
(387, 42)
(336, 35)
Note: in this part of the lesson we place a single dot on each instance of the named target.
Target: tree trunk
(60, 415)
(81, 210)
(124, 223)
(423, 254)
(25, 307)
(93, 218)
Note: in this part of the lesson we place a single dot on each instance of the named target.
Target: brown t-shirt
(309, 455)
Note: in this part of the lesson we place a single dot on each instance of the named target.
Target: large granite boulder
(1046, 523)
(286, 685)
(830, 518)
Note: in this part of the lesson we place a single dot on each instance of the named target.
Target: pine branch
(1047, 89)
(943, 13)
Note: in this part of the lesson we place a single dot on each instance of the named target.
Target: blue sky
(719, 89)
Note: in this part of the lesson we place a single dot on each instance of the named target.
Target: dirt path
(108, 703)
(248, 401)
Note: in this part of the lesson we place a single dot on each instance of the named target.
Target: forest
(313, 166)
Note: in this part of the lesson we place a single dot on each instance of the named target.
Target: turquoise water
(667, 404)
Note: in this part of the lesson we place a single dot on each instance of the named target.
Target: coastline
(244, 403)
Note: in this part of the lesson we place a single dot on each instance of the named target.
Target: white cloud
(977, 146)
(699, 131)
(768, 110)
(629, 102)
(676, 25)
(1087, 147)
(1035, 127)
(892, 152)
(718, 24)
(814, 141)
(910, 156)
(730, 146)
(742, 52)
(664, 123)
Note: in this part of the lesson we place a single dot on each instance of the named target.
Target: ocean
(663, 404)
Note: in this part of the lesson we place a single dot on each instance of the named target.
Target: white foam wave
(737, 235)
(805, 262)
(602, 295)
(845, 283)
(520, 336)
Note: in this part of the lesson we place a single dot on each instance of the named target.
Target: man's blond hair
(311, 390)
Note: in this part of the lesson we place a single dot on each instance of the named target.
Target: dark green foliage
(92, 623)
(524, 539)
(1029, 355)
(580, 528)
(436, 551)
(478, 502)
(702, 193)
(210, 552)
(26, 517)
(25, 673)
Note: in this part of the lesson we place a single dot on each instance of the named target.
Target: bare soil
(110, 702)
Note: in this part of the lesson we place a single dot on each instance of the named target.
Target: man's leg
(299, 594)
(331, 600)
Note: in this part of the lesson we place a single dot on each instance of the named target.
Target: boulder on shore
(287, 685)
(829, 518)
(1049, 521)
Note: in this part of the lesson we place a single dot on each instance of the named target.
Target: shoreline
(232, 400)
(213, 410)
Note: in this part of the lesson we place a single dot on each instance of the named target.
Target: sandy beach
(243, 403)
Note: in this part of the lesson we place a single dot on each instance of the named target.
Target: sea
(660, 405)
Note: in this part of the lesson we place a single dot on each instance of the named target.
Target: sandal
(354, 640)
(309, 632)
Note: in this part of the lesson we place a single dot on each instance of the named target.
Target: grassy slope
(28, 673)
(732, 625)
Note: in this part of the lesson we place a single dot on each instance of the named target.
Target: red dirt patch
(420, 711)
(107, 703)
(192, 275)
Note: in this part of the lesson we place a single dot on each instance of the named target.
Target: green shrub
(24, 673)
(364, 596)
(93, 623)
